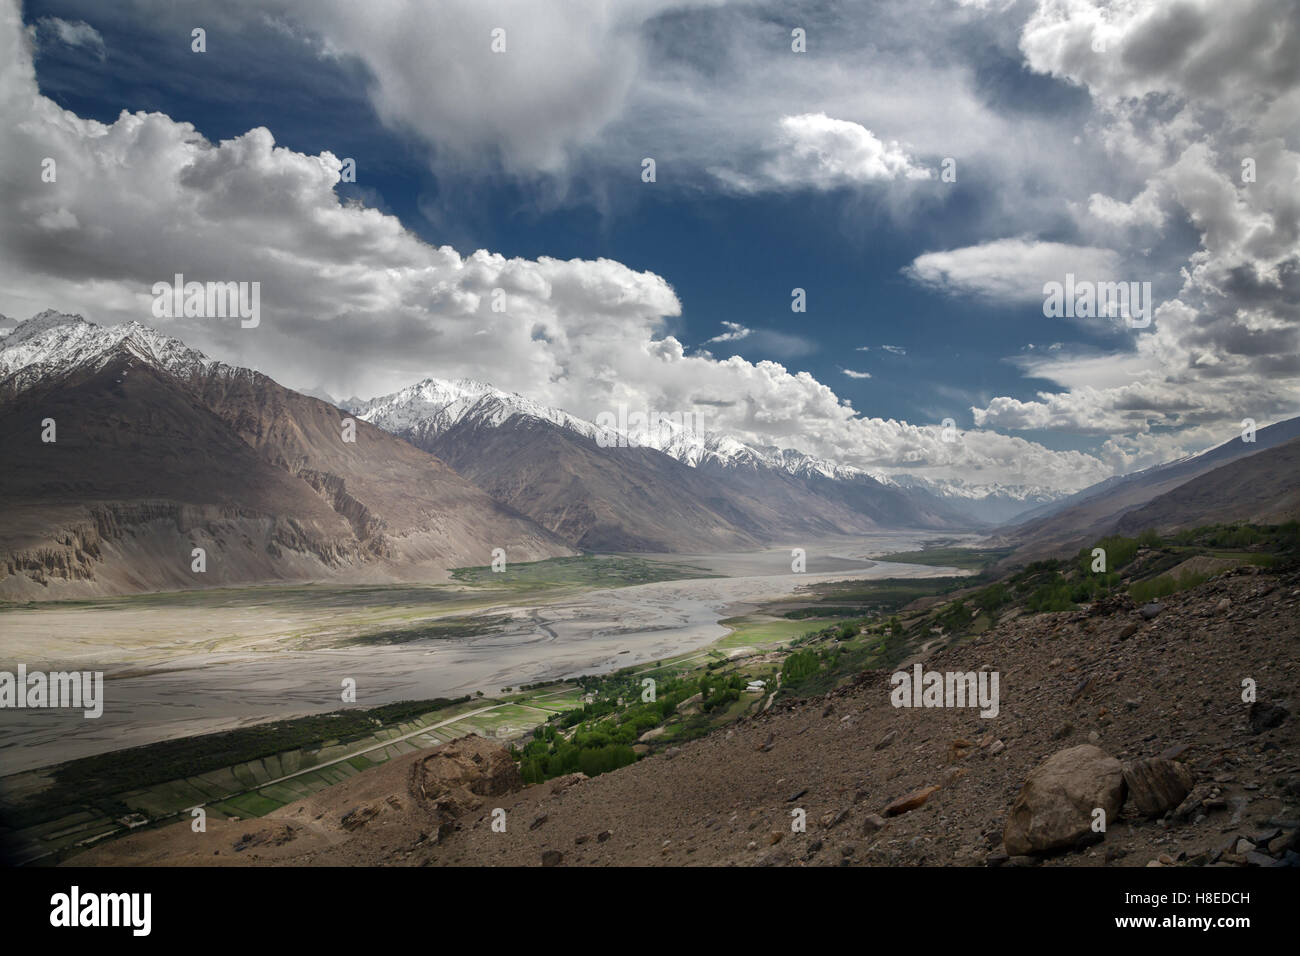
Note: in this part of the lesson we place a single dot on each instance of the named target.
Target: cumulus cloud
(814, 151)
(558, 74)
(1201, 98)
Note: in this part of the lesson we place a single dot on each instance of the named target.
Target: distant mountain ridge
(1120, 503)
(708, 490)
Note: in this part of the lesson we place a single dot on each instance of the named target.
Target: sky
(919, 169)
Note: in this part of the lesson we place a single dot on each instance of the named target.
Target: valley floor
(1135, 687)
(195, 662)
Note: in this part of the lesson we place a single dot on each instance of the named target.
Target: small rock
(1150, 611)
(1265, 716)
(1156, 785)
(871, 823)
(909, 801)
(951, 776)
(552, 857)
(832, 820)
(886, 740)
(1279, 845)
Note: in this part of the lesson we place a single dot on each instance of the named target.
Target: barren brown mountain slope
(147, 466)
(1264, 488)
(1137, 686)
(1238, 480)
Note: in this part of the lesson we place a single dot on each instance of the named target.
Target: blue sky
(775, 170)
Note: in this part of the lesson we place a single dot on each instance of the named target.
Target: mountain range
(158, 450)
(665, 489)
(1171, 495)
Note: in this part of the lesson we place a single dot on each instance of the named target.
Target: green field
(760, 630)
(440, 629)
(884, 594)
(586, 571)
(967, 559)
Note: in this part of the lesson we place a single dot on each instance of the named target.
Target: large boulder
(1055, 806)
(455, 777)
(1156, 784)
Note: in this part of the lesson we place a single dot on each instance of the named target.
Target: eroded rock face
(453, 779)
(1157, 784)
(1055, 806)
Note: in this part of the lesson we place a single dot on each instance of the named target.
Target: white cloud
(1188, 92)
(1012, 270)
(852, 374)
(567, 70)
(74, 33)
(814, 151)
(735, 332)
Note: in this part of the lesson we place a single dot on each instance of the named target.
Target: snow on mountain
(958, 488)
(985, 501)
(429, 408)
(53, 342)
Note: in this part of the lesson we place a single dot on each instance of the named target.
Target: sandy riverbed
(178, 671)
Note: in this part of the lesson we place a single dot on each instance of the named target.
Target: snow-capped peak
(428, 408)
(54, 342)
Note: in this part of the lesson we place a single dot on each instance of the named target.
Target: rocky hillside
(1138, 711)
(1121, 503)
(158, 450)
(1263, 488)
